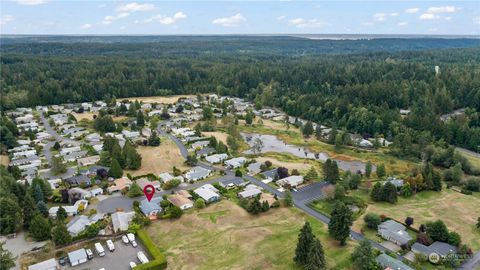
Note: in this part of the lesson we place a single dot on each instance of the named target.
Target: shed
(45, 265)
(77, 257)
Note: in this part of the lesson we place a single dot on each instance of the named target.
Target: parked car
(89, 253)
(110, 245)
(63, 261)
(131, 237)
(132, 265)
(134, 243)
(125, 239)
(142, 258)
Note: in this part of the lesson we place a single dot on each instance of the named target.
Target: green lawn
(225, 236)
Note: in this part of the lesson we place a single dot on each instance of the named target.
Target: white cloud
(412, 10)
(31, 2)
(86, 26)
(476, 20)
(394, 14)
(168, 20)
(379, 17)
(402, 23)
(134, 6)
(6, 18)
(443, 9)
(428, 16)
(304, 23)
(281, 18)
(230, 21)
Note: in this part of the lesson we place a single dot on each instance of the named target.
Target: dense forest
(358, 85)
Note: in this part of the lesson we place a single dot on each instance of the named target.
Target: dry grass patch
(301, 167)
(159, 159)
(89, 116)
(4, 160)
(220, 136)
(458, 211)
(225, 236)
(158, 99)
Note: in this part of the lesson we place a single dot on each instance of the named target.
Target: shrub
(159, 261)
(372, 220)
(200, 203)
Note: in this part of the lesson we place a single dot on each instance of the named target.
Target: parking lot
(116, 260)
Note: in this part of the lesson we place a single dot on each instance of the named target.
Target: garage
(77, 257)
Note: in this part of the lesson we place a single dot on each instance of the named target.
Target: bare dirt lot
(225, 236)
(159, 159)
(4, 160)
(158, 99)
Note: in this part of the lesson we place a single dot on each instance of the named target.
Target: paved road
(19, 245)
(472, 264)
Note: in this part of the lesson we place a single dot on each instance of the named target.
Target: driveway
(310, 192)
(19, 245)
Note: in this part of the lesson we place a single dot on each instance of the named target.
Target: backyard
(225, 236)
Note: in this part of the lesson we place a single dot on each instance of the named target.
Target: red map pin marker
(149, 190)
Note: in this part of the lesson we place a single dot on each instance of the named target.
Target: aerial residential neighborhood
(305, 135)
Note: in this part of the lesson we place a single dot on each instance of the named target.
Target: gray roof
(271, 174)
(77, 255)
(78, 179)
(78, 224)
(205, 151)
(149, 206)
(48, 264)
(389, 262)
(237, 181)
(394, 231)
(440, 248)
(249, 193)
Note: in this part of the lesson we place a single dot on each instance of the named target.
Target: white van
(110, 245)
(142, 258)
(131, 237)
(99, 249)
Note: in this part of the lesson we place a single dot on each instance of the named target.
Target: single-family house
(69, 150)
(208, 194)
(121, 220)
(270, 175)
(184, 193)
(231, 183)
(235, 162)
(205, 152)
(197, 173)
(130, 134)
(147, 132)
(96, 191)
(249, 193)
(292, 181)
(73, 156)
(440, 248)
(77, 193)
(71, 210)
(216, 158)
(54, 183)
(119, 184)
(93, 137)
(78, 224)
(364, 143)
(394, 232)
(88, 160)
(50, 264)
(388, 262)
(199, 144)
(143, 182)
(151, 208)
(78, 180)
(180, 201)
(254, 168)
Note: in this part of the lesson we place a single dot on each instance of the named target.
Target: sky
(239, 17)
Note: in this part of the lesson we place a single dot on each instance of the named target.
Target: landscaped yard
(225, 236)
(159, 159)
(458, 211)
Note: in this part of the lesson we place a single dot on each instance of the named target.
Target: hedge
(159, 261)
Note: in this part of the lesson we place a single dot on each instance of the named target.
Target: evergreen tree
(376, 194)
(389, 193)
(40, 228)
(381, 172)
(368, 169)
(42, 208)
(7, 260)
(61, 214)
(406, 190)
(135, 191)
(29, 209)
(288, 198)
(38, 194)
(132, 111)
(311, 174)
(191, 160)
(60, 234)
(213, 142)
(316, 257)
(133, 160)
(140, 119)
(115, 169)
(249, 117)
(340, 222)
(307, 129)
(305, 240)
(437, 231)
(58, 167)
(154, 140)
(11, 218)
(363, 256)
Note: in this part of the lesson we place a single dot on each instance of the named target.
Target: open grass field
(4, 160)
(458, 211)
(89, 116)
(220, 136)
(473, 158)
(293, 136)
(159, 159)
(158, 99)
(281, 161)
(225, 236)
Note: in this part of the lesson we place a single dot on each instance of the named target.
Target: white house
(292, 181)
(216, 158)
(235, 162)
(197, 173)
(206, 193)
